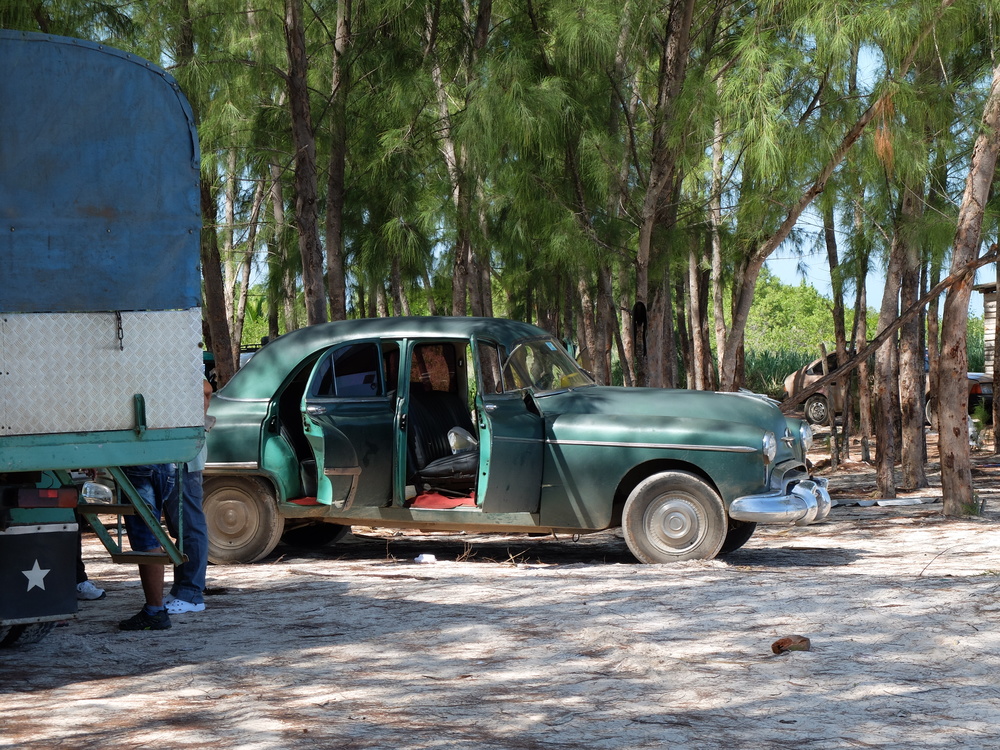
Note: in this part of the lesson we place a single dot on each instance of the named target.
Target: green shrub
(766, 370)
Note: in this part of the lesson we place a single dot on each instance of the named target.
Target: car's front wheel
(243, 520)
(674, 516)
(817, 410)
(739, 534)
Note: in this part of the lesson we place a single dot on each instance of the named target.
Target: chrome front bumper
(807, 501)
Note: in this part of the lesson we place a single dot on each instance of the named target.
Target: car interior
(438, 411)
(437, 418)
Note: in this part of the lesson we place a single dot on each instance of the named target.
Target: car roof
(268, 368)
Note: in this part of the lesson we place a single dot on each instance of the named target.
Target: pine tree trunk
(305, 184)
(215, 309)
(953, 394)
(282, 274)
(663, 158)
(886, 408)
(246, 263)
(228, 229)
(715, 222)
(696, 371)
(341, 85)
(429, 289)
(215, 319)
(839, 332)
(911, 359)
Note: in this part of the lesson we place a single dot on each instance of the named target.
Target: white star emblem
(36, 577)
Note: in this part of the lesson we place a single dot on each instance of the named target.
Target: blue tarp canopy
(99, 181)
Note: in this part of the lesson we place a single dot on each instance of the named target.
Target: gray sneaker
(87, 591)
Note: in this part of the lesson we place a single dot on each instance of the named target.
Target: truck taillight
(977, 390)
(63, 497)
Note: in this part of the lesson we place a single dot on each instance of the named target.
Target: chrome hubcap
(675, 523)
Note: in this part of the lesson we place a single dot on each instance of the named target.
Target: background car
(817, 407)
(980, 395)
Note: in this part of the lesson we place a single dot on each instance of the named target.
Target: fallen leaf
(791, 643)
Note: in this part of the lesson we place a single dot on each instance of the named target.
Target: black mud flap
(38, 573)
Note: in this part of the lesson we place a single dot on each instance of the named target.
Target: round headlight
(806, 434)
(95, 492)
(770, 446)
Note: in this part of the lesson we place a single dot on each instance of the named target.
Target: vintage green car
(485, 424)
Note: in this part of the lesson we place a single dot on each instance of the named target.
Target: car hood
(655, 414)
(664, 402)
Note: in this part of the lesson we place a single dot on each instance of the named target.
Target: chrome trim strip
(234, 465)
(351, 471)
(663, 446)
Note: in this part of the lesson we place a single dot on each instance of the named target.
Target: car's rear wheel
(243, 520)
(739, 534)
(817, 410)
(674, 516)
(315, 535)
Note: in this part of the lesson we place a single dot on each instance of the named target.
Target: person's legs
(189, 577)
(85, 589)
(81, 570)
(151, 577)
(153, 483)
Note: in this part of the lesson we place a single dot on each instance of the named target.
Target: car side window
(349, 372)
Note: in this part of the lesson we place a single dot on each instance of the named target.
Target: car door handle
(490, 407)
(315, 411)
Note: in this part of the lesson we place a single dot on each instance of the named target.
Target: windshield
(542, 365)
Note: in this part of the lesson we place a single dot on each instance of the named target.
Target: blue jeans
(154, 483)
(157, 486)
(189, 577)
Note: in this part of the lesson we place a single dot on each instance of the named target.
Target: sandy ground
(530, 642)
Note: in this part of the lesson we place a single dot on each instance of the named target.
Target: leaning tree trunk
(953, 394)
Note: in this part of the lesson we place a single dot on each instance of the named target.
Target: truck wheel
(816, 410)
(22, 635)
(315, 535)
(674, 516)
(243, 520)
(738, 535)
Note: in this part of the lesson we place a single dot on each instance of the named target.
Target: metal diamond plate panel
(78, 372)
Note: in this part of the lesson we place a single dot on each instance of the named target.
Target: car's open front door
(347, 417)
(511, 441)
